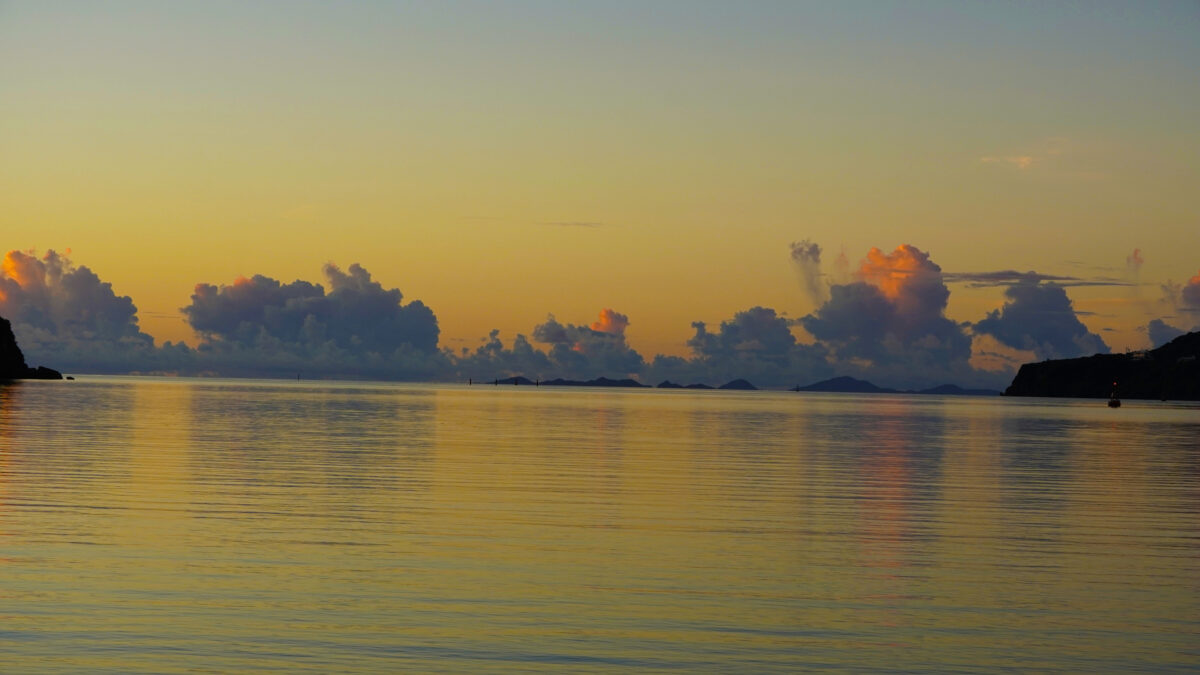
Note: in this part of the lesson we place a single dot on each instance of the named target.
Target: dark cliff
(1171, 372)
(12, 361)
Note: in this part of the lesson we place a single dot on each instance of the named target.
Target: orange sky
(500, 163)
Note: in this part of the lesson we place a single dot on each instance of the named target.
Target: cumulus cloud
(65, 317)
(758, 330)
(885, 321)
(585, 352)
(1183, 301)
(492, 360)
(611, 322)
(1040, 318)
(1161, 332)
(756, 344)
(358, 328)
(357, 313)
(580, 352)
(893, 317)
(1189, 295)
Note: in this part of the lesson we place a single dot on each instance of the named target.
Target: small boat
(1113, 401)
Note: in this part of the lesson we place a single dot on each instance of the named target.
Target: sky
(516, 166)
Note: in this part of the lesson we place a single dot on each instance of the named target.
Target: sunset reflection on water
(166, 524)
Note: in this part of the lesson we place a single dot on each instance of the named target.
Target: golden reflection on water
(166, 525)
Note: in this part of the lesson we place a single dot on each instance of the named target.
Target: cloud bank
(884, 321)
(1040, 318)
(66, 316)
(892, 319)
(358, 328)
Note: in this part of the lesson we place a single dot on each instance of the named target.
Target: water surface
(172, 525)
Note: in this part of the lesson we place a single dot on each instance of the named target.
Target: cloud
(358, 328)
(492, 360)
(1036, 154)
(806, 257)
(1171, 294)
(585, 352)
(1161, 332)
(65, 317)
(1011, 277)
(893, 316)
(1040, 318)
(1190, 295)
(886, 323)
(1134, 261)
(613, 323)
(756, 344)
(575, 352)
(841, 269)
(1183, 300)
(758, 330)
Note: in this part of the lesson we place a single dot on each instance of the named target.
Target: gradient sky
(502, 161)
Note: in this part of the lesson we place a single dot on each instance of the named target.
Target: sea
(173, 525)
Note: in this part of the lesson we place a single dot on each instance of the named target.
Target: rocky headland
(1171, 372)
(12, 361)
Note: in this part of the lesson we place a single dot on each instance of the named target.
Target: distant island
(846, 385)
(739, 384)
(1171, 372)
(559, 382)
(12, 361)
(598, 382)
(850, 385)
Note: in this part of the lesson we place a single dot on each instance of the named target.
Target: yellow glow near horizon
(660, 166)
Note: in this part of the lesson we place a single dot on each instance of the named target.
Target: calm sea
(167, 525)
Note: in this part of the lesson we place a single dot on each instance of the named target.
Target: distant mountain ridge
(1171, 372)
(738, 384)
(846, 385)
(843, 384)
(559, 382)
(850, 385)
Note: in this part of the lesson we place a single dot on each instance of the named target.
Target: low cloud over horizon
(1182, 301)
(357, 328)
(65, 317)
(884, 321)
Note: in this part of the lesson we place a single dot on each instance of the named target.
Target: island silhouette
(12, 361)
(843, 384)
(608, 382)
(1170, 372)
